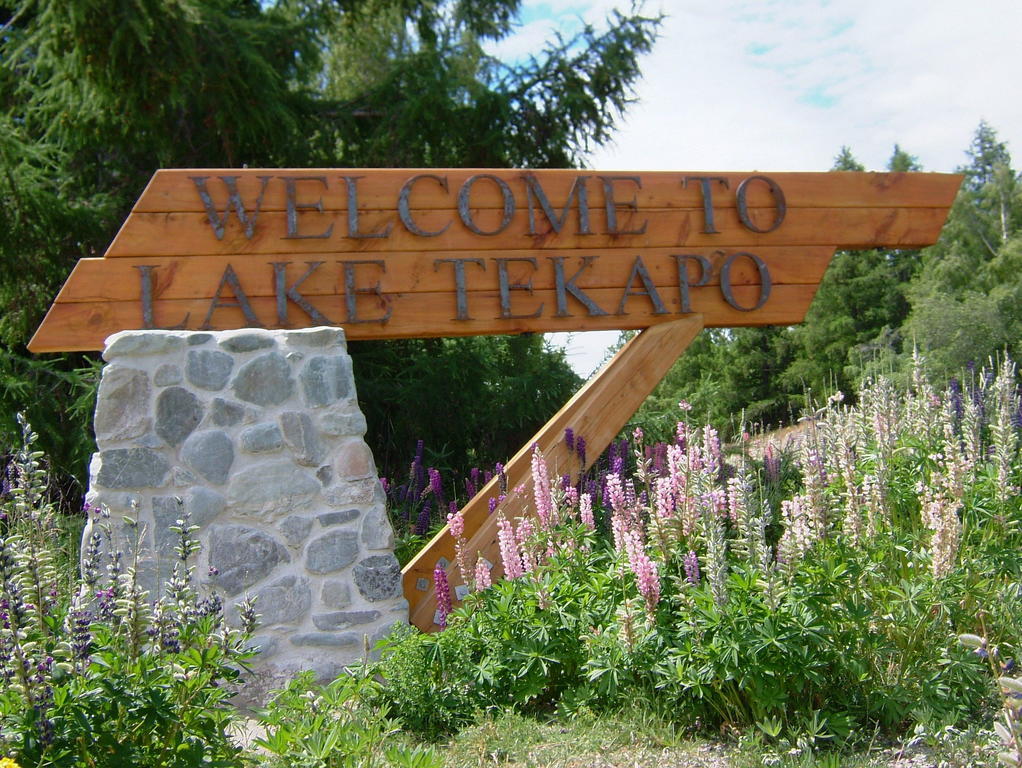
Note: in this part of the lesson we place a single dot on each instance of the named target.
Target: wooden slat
(177, 234)
(597, 412)
(84, 326)
(197, 277)
(173, 190)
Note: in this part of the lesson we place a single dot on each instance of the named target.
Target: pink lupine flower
(647, 577)
(541, 489)
(525, 531)
(509, 554)
(482, 579)
(456, 523)
(664, 502)
(443, 596)
(615, 492)
(736, 501)
(571, 497)
(619, 527)
(585, 511)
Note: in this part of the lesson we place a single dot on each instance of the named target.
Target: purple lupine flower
(771, 464)
(565, 482)
(422, 523)
(436, 484)
(492, 504)
(498, 469)
(385, 484)
(569, 439)
(443, 596)
(580, 449)
(487, 476)
(691, 563)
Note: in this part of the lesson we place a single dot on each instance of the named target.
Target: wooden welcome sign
(416, 253)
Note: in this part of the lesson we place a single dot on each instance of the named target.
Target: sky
(782, 85)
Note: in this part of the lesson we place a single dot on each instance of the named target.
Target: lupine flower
(647, 577)
(491, 504)
(509, 554)
(569, 439)
(691, 564)
(422, 523)
(482, 580)
(541, 490)
(436, 484)
(585, 511)
(443, 596)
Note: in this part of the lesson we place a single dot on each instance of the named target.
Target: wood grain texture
(597, 412)
(189, 234)
(197, 277)
(85, 325)
(174, 190)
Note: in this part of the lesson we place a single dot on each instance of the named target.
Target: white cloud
(783, 84)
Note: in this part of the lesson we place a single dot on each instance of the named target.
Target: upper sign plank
(399, 253)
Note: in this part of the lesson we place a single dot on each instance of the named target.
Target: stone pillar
(258, 435)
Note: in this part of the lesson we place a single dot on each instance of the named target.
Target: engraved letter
(704, 184)
(506, 195)
(764, 281)
(683, 284)
(293, 207)
(534, 192)
(352, 189)
(285, 293)
(351, 292)
(148, 321)
(612, 205)
(564, 287)
(639, 270)
(459, 282)
(219, 221)
(743, 208)
(230, 278)
(506, 288)
(404, 208)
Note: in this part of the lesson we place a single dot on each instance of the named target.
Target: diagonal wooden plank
(597, 412)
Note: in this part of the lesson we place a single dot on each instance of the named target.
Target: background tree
(93, 101)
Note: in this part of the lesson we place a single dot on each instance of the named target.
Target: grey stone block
(378, 577)
(343, 424)
(167, 375)
(337, 518)
(210, 454)
(327, 639)
(122, 404)
(247, 341)
(138, 343)
(331, 552)
(130, 468)
(317, 337)
(243, 556)
(265, 380)
(208, 369)
(271, 491)
(301, 437)
(336, 593)
(285, 600)
(225, 413)
(325, 380)
(343, 619)
(198, 339)
(295, 529)
(262, 438)
(377, 532)
(178, 413)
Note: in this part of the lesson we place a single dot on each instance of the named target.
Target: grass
(638, 739)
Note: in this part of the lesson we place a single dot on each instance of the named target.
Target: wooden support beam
(597, 412)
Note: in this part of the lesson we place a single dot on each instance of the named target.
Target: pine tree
(94, 98)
